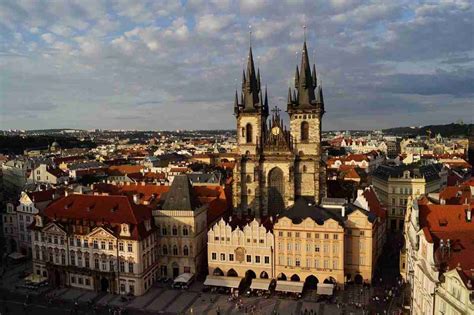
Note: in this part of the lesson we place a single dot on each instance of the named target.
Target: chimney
(343, 210)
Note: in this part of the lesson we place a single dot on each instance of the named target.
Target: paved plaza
(163, 300)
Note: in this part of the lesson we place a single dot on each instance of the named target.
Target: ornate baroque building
(275, 166)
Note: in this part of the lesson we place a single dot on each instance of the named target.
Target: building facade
(395, 185)
(455, 294)
(240, 248)
(274, 165)
(101, 243)
(182, 228)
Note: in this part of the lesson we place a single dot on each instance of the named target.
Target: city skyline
(165, 66)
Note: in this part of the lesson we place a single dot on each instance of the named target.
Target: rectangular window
(104, 265)
(288, 234)
(73, 259)
(308, 235)
(280, 234)
(222, 257)
(96, 264)
(362, 233)
(297, 247)
(335, 249)
(326, 248)
(231, 257)
(316, 263)
(88, 282)
(289, 246)
(111, 246)
(267, 260)
(79, 260)
(297, 234)
(249, 258)
(102, 245)
(78, 242)
(326, 236)
(86, 261)
(121, 246)
(316, 248)
(326, 264)
(316, 235)
(334, 264)
(289, 262)
(297, 262)
(308, 247)
(335, 236)
(85, 243)
(96, 244)
(80, 280)
(73, 279)
(257, 259)
(122, 266)
(130, 267)
(214, 256)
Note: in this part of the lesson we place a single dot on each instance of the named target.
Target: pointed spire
(313, 75)
(297, 77)
(236, 103)
(258, 78)
(243, 79)
(295, 97)
(251, 85)
(305, 83)
(290, 100)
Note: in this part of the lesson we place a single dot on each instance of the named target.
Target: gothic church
(274, 165)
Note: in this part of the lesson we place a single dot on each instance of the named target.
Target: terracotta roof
(356, 157)
(107, 210)
(444, 217)
(45, 195)
(456, 195)
(125, 169)
(374, 203)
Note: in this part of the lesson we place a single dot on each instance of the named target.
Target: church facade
(276, 165)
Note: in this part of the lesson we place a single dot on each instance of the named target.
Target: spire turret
(290, 100)
(297, 76)
(236, 103)
(251, 86)
(313, 75)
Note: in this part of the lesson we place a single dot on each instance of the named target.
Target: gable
(100, 232)
(53, 228)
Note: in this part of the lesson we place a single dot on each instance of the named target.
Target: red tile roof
(107, 210)
(374, 203)
(125, 169)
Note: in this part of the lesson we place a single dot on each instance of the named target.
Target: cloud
(170, 64)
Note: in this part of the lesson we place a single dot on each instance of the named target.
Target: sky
(166, 65)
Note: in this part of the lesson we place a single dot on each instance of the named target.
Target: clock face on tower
(275, 131)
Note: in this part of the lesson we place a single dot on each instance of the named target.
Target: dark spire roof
(305, 82)
(236, 103)
(251, 86)
(265, 103)
(181, 195)
(290, 100)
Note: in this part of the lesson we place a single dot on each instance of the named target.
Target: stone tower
(251, 113)
(306, 108)
(275, 166)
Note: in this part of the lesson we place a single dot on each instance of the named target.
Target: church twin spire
(251, 95)
(304, 95)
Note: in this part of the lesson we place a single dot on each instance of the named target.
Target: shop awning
(325, 288)
(289, 286)
(260, 284)
(221, 281)
(184, 278)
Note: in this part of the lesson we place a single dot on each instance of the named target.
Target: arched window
(185, 231)
(248, 133)
(175, 230)
(185, 250)
(276, 191)
(175, 250)
(243, 132)
(165, 250)
(304, 131)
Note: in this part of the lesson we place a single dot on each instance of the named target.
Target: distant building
(44, 173)
(396, 184)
